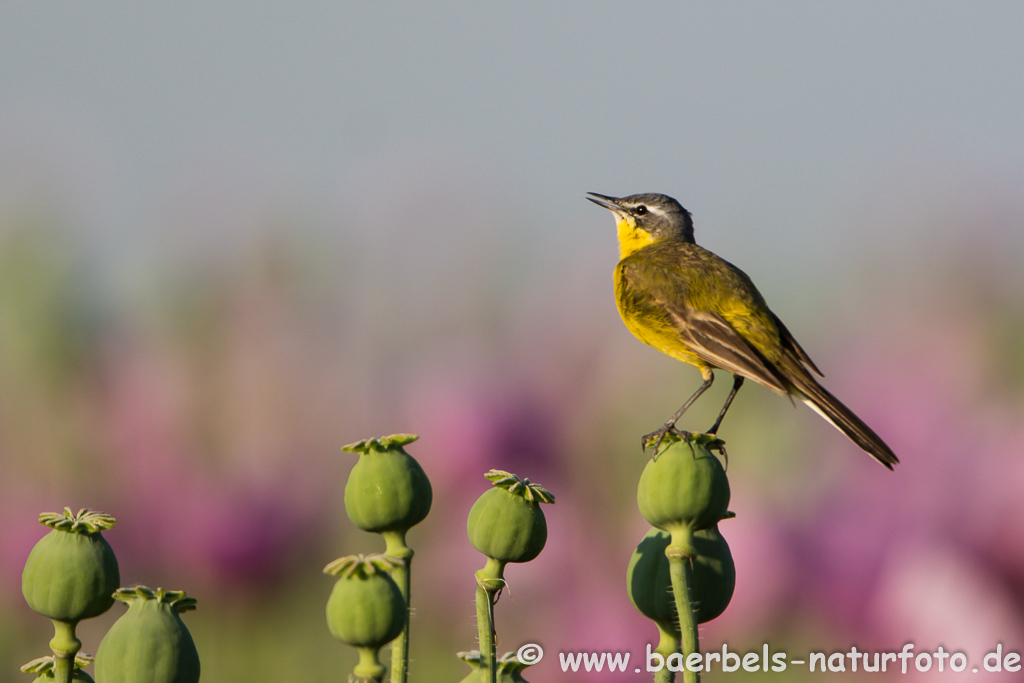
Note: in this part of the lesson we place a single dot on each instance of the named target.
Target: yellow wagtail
(700, 309)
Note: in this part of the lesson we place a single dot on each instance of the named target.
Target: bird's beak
(610, 203)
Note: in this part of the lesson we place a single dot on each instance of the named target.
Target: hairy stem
(489, 582)
(680, 553)
(402, 575)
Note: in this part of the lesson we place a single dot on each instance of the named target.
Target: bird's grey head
(657, 214)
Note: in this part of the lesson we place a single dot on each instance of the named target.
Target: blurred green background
(235, 237)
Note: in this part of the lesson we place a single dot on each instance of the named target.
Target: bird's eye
(640, 210)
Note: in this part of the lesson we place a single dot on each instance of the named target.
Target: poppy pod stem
(680, 554)
(489, 582)
(65, 645)
(369, 667)
(396, 547)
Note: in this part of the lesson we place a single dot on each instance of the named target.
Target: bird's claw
(654, 439)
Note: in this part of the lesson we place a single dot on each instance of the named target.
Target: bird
(698, 308)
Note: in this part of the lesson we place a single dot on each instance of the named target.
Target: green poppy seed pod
(714, 574)
(649, 583)
(685, 486)
(44, 668)
(366, 608)
(510, 669)
(71, 572)
(506, 523)
(149, 643)
(387, 489)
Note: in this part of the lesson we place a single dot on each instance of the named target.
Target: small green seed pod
(71, 572)
(506, 523)
(685, 486)
(44, 669)
(387, 489)
(510, 669)
(649, 583)
(149, 643)
(365, 608)
(714, 574)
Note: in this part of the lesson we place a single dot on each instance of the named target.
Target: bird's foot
(714, 443)
(668, 431)
(654, 439)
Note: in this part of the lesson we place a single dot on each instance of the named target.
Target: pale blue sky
(780, 125)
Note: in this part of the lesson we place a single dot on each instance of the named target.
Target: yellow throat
(631, 237)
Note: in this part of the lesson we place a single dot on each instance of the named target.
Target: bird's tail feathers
(843, 419)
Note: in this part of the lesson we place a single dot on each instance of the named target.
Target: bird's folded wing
(715, 342)
(706, 334)
(790, 343)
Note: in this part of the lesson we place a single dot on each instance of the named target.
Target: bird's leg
(658, 435)
(737, 382)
